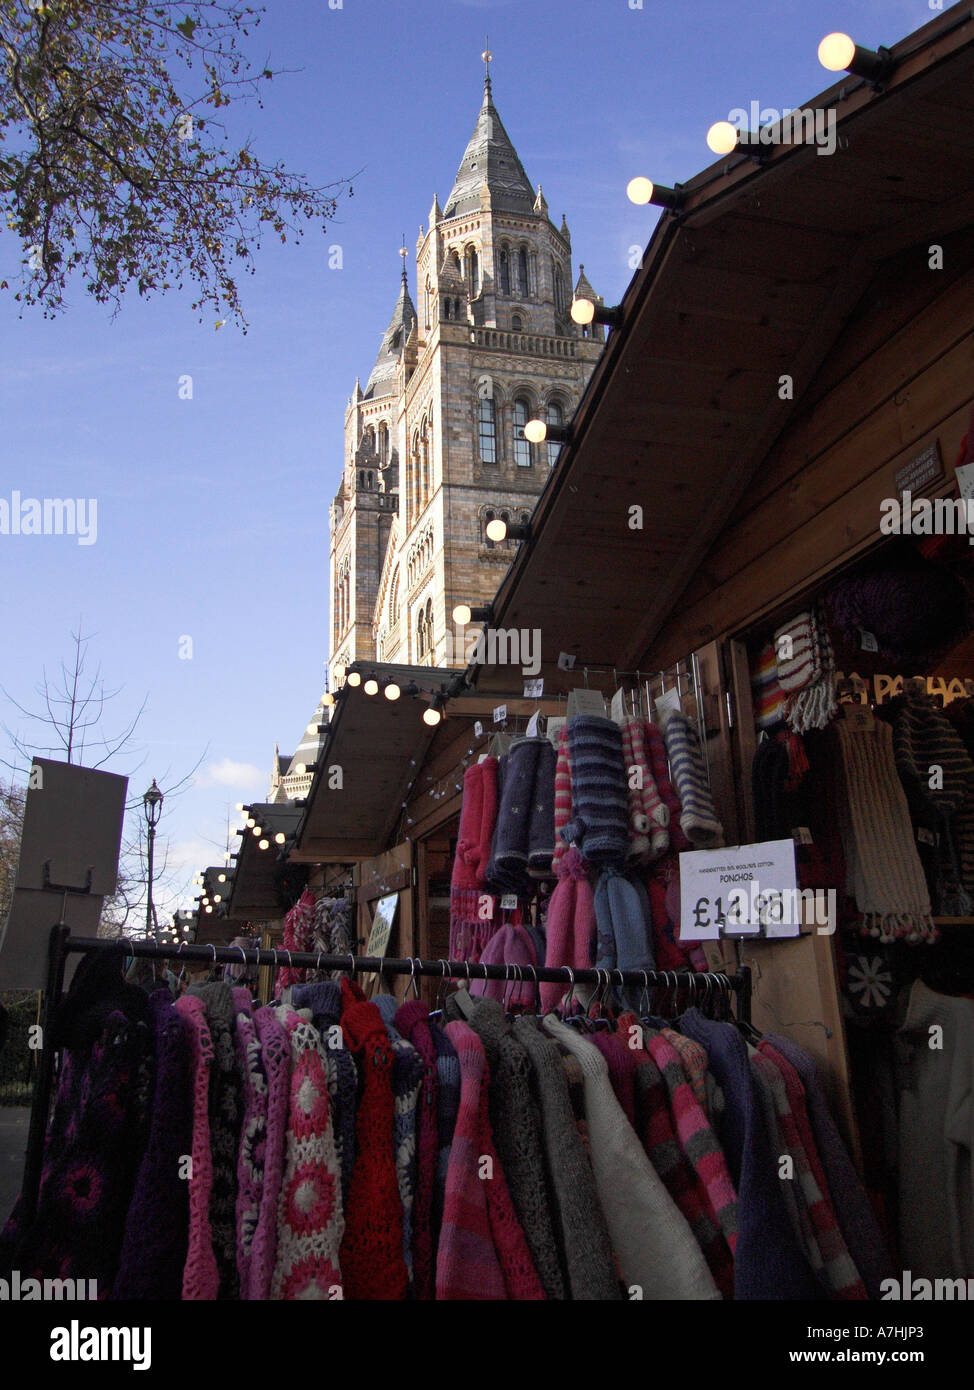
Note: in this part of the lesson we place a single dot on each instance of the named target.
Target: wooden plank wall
(900, 376)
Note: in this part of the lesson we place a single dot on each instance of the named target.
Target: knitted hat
(915, 608)
(571, 924)
(510, 945)
(806, 669)
(478, 814)
(623, 926)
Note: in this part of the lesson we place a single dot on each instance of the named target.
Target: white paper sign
(534, 689)
(500, 714)
(666, 704)
(617, 708)
(478, 729)
(566, 661)
(508, 902)
(743, 890)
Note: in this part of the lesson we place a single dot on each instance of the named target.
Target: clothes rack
(62, 944)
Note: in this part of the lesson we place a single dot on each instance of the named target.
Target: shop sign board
(741, 890)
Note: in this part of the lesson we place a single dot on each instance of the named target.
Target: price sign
(500, 714)
(743, 890)
(534, 689)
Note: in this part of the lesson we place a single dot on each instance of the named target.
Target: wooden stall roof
(752, 281)
(254, 893)
(383, 749)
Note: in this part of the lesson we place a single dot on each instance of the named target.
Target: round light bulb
(263, 844)
(583, 311)
(431, 716)
(221, 878)
(239, 806)
(497, 530)
(836, 52)
(339, 673)
(327, 699)
(217, 898)
(392, 691)
(300, 769)
(355, 678)
(371, 686)
(536, 431)
(639, 190)
(279, 838)
(462, 614)
(722, 137)
(312, 729)
(250, 822)
(257, 831)
(209, 909)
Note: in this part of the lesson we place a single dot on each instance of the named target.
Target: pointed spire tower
(493, 285)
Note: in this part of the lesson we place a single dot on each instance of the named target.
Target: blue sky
(213, 512)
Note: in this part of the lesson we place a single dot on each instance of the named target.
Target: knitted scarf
(510, 848)
(541, 828)
(298, 936)
(275, 1062)
(656, 750)
(469, 932)
(447, 1109)
(698, 819)
(154, 1245)
(599, 793)
(806, 669)
(412, 1022)
(371, 1253)
(884, 871)
(310, 1223)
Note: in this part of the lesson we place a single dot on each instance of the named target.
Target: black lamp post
(152, 803)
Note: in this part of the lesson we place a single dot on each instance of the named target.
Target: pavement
(14, 1122)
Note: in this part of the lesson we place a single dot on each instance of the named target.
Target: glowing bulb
(355, 678)
(300, 769)
(836, 52)
(497, 530)
(250, 822)
(722, 137)
(392, 691)
(279, 838)
(431, 716)
(221, 878)
(239, 806)
(536, 431)
(371, 686)
(257, 831)
(339, 673)
(217, 898)
(312, 729)
(263, 844)
(583, 312)
(328, 699)
(639, 190)
(209, 909)
(462, 614)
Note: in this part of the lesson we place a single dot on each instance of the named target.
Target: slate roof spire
(490, 162)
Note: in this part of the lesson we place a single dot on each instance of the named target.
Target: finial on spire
(403, 252)
(487, 58)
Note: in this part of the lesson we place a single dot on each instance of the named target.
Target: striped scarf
(698, 820)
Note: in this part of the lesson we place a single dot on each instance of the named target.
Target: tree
(73, 709)
(110, 172)
(11, 826)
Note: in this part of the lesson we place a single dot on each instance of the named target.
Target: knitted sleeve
(201, 1278)
(563, 795)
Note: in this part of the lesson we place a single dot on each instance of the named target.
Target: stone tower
(434, 445)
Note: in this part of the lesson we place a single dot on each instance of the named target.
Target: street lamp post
(152, 802)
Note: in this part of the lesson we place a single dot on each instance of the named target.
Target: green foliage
(111, 175)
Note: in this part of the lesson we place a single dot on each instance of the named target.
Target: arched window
(368, 478)
(383, 444)
(421, 635)
(429, 627)
(429, 303)
(516, 323)
(368, 440)
(361, 479)
(473, 271)
(522, 449)
(558, 280)
(522, 270)
(425, 475)
(505, 270)
(487, 430)
(555, 417)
